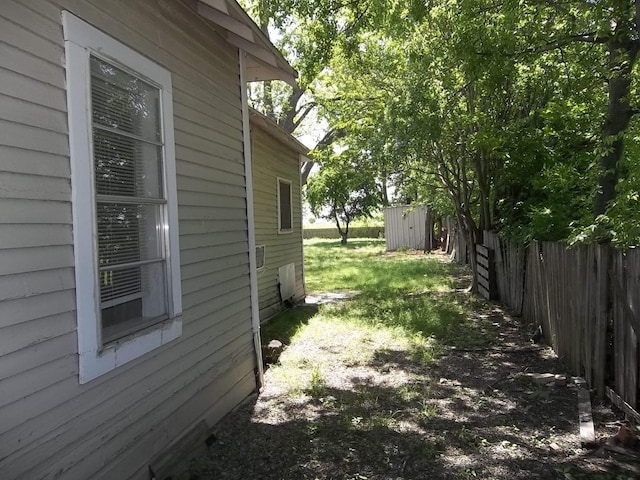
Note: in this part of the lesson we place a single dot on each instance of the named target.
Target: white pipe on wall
(246, 137)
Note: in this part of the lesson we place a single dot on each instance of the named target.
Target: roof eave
(265, 123)
(264, 60)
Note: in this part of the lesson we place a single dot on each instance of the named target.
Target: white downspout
(246, 137)
(304, 282)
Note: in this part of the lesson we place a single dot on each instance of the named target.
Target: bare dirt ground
(386, 414)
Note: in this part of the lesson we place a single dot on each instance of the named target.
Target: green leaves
(495, 106)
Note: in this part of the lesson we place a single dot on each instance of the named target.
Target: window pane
(124, 102)
(117, 284)
(128, 162)
(285, 206)
(125, 166)
(128, 233)
(135, 311)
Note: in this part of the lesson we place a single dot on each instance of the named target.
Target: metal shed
(404, 226)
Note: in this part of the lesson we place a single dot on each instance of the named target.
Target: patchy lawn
(407, 377)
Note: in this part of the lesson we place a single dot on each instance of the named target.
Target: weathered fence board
(601, 315)
(535, 305)
(625, 299)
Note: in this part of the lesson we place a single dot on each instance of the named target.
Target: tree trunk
(622, 56)
(343, 233)
(482, 167)
(305, 171)
(267, 98)
(469, 230)
(384, 188)
(289, 116)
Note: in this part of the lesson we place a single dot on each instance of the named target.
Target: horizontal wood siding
(112, 427)
(273, 159)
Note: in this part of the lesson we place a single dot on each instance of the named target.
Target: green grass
(362, 266)
(409, 291)
(405, 300)
(357, 370)
(286, 325)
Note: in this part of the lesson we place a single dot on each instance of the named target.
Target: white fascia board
(217, 4)
(256, 71)
(222, 18)
(264, 61)
(276, 131)
(253, 49)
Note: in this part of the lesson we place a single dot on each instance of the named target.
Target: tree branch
(307, 109)
(590, 37)
(304, 174)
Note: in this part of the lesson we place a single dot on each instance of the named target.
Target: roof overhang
(264, 60)
(272, 128)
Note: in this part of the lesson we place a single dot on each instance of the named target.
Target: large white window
(124, 200)
(285, 202)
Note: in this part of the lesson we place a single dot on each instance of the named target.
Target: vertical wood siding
(404, 227)
(273, 159)
(50, 426)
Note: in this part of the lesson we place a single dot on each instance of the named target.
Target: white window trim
(81, 40)
(278, 181)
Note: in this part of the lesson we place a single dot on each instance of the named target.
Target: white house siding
(273, 159)
(111, 428)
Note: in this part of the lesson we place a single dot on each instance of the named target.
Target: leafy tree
(310, 32)
(598, 41)
(342, 191)
(615, 26)
(520, 112)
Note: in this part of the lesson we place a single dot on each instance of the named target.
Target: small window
(124, 200)
(285, 213)
(260, 256)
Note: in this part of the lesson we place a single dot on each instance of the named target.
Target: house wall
(112, 427)
(273, 159)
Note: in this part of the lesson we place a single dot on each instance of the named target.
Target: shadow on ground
(287, 324)
(472, 412)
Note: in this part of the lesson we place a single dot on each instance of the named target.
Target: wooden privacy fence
(586, 300)
(626, 327)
